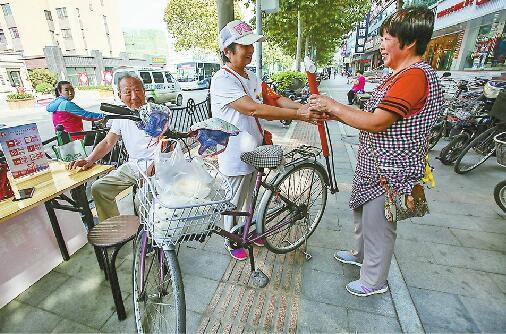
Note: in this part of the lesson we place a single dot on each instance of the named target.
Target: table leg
(57, 231)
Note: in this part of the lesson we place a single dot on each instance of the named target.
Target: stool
(114, 233)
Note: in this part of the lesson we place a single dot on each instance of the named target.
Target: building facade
(76, 26)
(468, 35)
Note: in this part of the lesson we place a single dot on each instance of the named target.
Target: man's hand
(323, 104)
(304, 114)
(81, 164)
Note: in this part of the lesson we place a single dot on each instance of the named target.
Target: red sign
(460, 5)
(83, 78)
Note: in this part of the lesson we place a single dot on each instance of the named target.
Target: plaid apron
(400, 149)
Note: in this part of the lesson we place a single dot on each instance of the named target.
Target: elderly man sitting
(137, 143)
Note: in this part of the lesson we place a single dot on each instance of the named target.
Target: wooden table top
(47, 186)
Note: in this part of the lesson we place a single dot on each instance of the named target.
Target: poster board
(23, 150)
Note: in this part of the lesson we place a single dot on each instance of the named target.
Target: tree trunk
(306, 47)
(225, 12)
(299, 42)
(400, 3)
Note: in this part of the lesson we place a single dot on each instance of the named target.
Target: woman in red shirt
(358, 86)
(394, 125)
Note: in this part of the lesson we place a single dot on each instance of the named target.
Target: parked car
(160, 85)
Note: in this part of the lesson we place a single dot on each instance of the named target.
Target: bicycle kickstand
(258, 278)
(307, 255)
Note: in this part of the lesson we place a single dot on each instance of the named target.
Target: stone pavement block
(114, 325)
(482, 240)
(82, 264)
(200, 263)
(472, 258)
(198, 291)
(17, 317)
(43, 288)
(216, 244)
(86, 301)
(489, 314)
(124, 271)
(448, 220)
(442, 312)
(456, 208)
(492, 225)
(500, 281)
(192, 321)
(323, 260)
(416, 232)
(331, 239)
(364, 322)
(461, 281)
(69, 326)
(321, 318)
(329, 288)
(409, 250)
(351, 272)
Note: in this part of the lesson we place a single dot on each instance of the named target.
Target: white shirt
(137, 143)
(225, 89)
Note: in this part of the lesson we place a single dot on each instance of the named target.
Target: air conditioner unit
(270, 6)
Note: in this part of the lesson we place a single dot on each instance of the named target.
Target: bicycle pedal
(260, 280)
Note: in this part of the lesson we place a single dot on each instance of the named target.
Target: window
(6, 9)
(48, 15)
(168, 77)
(158, 77)
(2, 37)
(62, 12)
(65, 33)
(146, 77)
(78, 12)
(14, 32)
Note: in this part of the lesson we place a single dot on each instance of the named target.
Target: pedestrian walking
(358, 87)
(394, 125)
(67, 113)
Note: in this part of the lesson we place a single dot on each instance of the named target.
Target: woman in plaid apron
(394, 125)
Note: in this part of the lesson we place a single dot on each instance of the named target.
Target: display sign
(23, 150)
(460, 5)
(107, 77)
(83, 78)
(361, 35)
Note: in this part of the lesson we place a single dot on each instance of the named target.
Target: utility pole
(258, 49)
(299, 42)
(225, 12)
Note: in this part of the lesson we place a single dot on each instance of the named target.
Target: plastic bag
(71, 151)
(181, 181)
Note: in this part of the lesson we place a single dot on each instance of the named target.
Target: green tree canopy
(325, 22)
(42, 75)
(194, 23)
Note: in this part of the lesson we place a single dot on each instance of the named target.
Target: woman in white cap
(236, 98)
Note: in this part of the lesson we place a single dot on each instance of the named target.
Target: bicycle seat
(266, 156)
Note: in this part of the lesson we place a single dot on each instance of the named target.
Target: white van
(159, 84)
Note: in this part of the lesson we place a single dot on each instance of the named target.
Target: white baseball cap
(238, 32)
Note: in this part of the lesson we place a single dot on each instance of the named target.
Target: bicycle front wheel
(294, 207)
(158, 292)
(477, 152)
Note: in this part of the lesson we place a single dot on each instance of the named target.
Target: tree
(42, 76)
(194, 23)
(324, 23)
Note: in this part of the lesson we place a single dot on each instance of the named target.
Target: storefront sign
(373, 43)
(23, 150)
(361, 35)
(459, 6)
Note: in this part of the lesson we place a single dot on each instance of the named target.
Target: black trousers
(351, 96)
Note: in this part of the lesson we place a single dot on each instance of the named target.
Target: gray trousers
(105, 190)
(374, 241)
(242, 187)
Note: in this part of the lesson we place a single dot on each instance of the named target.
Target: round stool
(114, 233)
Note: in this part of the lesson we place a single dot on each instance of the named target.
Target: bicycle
(289, 210)
(500, 188)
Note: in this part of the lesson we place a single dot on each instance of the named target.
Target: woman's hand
(322, 104)
(304, 114)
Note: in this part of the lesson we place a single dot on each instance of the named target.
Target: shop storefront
(469, 35)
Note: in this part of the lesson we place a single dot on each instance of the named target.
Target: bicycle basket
(500, 148)
(173, 223)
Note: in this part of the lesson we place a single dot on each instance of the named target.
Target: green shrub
(44, 88)
(42, 75)
(98, 87)
(19, 97)
(289, 80)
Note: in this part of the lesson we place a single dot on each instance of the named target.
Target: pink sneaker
(258, 242)
(239, 254)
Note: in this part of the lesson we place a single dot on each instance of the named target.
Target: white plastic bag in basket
(181, 181)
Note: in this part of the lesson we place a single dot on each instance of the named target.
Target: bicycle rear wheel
(305, 189)
(158, 292)
(500, 195)
(451, 152)
(477, 152)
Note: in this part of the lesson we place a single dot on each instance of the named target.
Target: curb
(403, 303)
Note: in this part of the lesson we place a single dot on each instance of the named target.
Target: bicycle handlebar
(117, 110)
